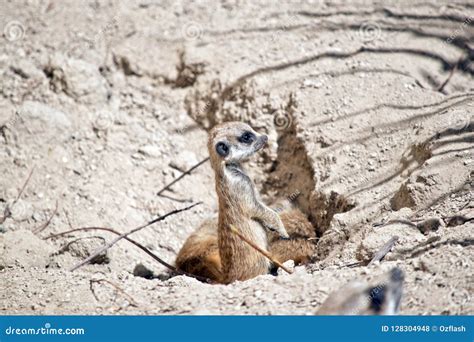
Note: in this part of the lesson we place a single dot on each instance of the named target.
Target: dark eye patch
(247, 138)
(222, 149)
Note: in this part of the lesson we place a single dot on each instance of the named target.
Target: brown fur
(200, 253)
(298, 248)
(213, 250)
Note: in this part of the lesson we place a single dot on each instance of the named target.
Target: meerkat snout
(261, 142)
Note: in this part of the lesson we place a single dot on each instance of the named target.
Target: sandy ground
(369, 108)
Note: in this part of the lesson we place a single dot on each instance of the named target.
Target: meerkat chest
(238, 189)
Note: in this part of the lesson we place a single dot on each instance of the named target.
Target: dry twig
(187, 172)
(122, 236)
(46, 224)
(260, 250)
(139, 245)
(132, 301)
(451, 73)
(67, 218)
(7, 213)
(382, 252)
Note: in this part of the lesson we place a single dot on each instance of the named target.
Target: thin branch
(46, 224)
(67, 218)
(353, 264)
(451, 73)
(132, 301)
(139, 245)
(384, 250)
(260, 250)
(24, 185)
(187, 172)
(118, 238)
(7, 213)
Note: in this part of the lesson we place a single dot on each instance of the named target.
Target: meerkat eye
(247, 138)
(222, 149)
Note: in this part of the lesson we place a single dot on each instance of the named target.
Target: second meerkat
(213, 251)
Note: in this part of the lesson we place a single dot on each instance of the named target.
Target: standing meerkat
(213, 250)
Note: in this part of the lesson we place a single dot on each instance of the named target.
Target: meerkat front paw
(280, 229)
(274, 224)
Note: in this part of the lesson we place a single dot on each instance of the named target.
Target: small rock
(26, 69)
(290, 264)
(150, 151)
(47, 117)
(77, 78)
(184, 161)
(429, 225)
(301, 270)
(85, 247)
(141, 270)
(312, 84)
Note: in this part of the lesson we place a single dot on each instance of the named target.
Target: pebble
(150, 151)
(141, 270)
(312, 84)
(184, 161)
(288, 264)
(46, 116)
(26, 69)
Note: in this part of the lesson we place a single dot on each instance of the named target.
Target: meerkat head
(379, 297)
(234, 142)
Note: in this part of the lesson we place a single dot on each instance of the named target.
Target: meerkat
(379, 297)
(213, 250)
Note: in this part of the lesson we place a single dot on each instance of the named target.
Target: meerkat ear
(222, 149)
